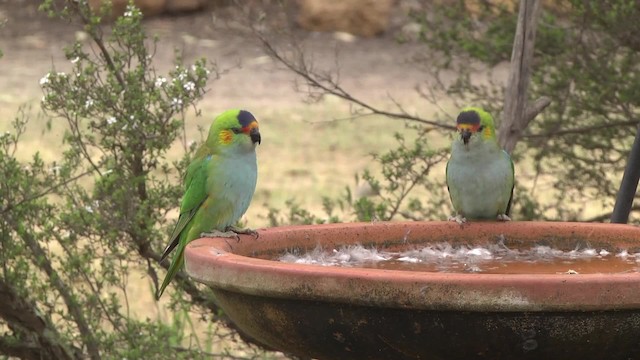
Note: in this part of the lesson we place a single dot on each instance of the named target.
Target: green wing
(194, 196)
(513, 180)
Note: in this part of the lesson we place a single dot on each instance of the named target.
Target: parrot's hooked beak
(255, 135)
(253, 131)
(465, 135)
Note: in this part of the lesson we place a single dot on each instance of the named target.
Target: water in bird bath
(490, 259)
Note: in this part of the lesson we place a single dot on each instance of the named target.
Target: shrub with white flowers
(70, 248)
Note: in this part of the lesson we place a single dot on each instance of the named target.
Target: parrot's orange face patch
(226, 136)
(471, 127)
(252, 125)
(486, 130)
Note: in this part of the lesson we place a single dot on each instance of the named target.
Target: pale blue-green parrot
(219, 185)
(480, 175)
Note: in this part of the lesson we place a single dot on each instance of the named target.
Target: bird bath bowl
(330, 312)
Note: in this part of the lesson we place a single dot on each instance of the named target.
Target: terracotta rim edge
(218, 263)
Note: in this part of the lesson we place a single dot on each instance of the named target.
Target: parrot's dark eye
(481, 128)
(236, 130)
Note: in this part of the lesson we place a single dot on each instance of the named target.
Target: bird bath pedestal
(329, 312)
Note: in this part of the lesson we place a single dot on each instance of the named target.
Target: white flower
(160, 81)
(182, 75)
(75, 59)
(107, 172)
(61, 74)
(111, 120)
(190, 86)
(54, 169)
(88, 208)
(45, 79)
(88, 103)
(176, 103)
(190, 143)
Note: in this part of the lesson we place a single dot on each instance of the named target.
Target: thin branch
(607, 216)
(582, 130)
(410, 216)
(414, 181)
(532, 110)
(210, 355)
(75, 129)
(328, 86)
(45, 192)
(76, 312)
(97, 38)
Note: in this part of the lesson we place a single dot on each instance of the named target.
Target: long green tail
(176, 265)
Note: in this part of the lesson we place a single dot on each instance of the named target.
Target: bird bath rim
(228, 264)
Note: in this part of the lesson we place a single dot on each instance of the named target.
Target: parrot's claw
(225, 234)
(461, 220)
(503, 217)
(245, 231)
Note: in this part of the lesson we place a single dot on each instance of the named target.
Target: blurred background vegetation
(355, 103)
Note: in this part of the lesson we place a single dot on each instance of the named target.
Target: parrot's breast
(231, 184)
(480, 181)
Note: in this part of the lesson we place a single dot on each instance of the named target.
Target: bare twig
(44, 193)
(325, 84)
(532, 110)
(582, 130)
(607, 215)
(96, 36)
(415, 179)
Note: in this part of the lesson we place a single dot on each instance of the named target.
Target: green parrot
(480, 175)
(219, 185)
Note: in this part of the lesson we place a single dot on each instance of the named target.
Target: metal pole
(629, 184)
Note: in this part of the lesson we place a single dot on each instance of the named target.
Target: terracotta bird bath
(330, 312)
